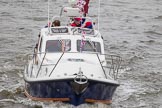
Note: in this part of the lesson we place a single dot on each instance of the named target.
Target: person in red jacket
(88, 25)
(80, 22)
(77, 22)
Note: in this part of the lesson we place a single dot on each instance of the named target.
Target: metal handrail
(102, 66)
(41, 65)
(56, 64)
(113, 63)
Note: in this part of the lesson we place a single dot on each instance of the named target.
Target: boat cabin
(70, 39)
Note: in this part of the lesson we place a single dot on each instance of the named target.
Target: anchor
(80, 83)
(80, 78)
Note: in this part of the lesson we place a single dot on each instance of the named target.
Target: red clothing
(75, 25)
(77, 22)
(88, 25)
(78, 19)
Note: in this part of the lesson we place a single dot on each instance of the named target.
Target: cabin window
(58, 45)
(90, 46)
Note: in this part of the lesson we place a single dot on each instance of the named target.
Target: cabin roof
(66, 31)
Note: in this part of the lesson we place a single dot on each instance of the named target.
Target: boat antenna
(99, 14)
(48, 23)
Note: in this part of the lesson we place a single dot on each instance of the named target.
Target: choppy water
(131, 28)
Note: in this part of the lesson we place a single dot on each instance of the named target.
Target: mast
(48, 18)
(99, 1)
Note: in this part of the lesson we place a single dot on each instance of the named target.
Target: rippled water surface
(131, 28)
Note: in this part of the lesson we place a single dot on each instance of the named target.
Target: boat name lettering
(87, 31)
(75, 60)
(59, 30)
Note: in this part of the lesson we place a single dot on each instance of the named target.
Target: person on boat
(76, 22)
(80, 22)
(56, 23)
(88, 25)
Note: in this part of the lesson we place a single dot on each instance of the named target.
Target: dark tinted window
(88, 46)
(58, 45)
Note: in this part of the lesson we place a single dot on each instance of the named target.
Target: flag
(82, 42)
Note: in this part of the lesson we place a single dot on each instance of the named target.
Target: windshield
(58, 45)
(90, 46)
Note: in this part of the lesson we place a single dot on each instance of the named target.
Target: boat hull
(65, 90)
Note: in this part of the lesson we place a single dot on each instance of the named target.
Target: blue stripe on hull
(63, 89)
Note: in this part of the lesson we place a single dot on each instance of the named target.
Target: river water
(131, 28)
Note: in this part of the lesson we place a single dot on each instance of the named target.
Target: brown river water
(131, 29)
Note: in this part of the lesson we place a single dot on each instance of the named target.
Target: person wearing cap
(78, 22)
(88, 25)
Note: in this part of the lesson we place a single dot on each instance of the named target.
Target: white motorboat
(70, 64)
